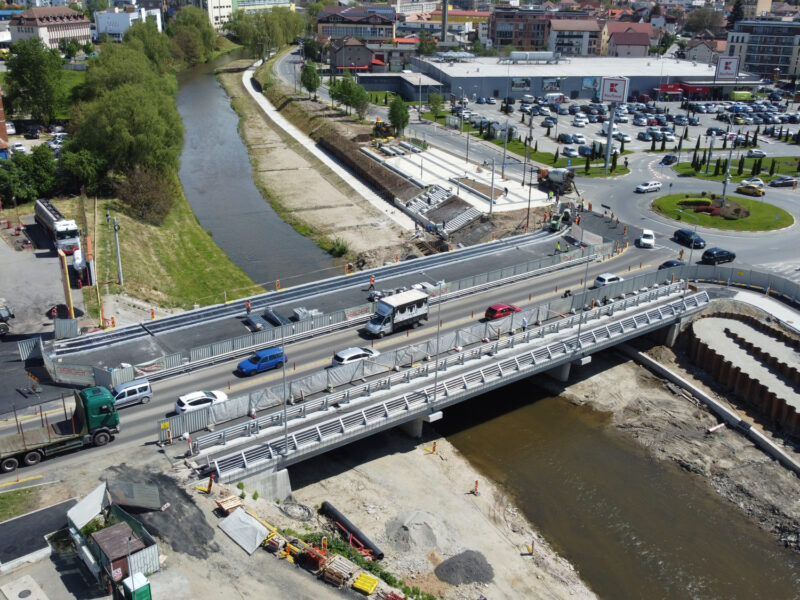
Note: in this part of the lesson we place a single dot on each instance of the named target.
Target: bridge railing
(447, 343)
(493, 368)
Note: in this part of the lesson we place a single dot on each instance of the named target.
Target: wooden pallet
(228, 504)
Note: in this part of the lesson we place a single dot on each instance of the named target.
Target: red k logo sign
(612, 88)
(726, 66)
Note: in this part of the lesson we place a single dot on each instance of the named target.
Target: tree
(716, 168)
(772, 167)
(556, 154)
(622, 146)
(310, 48)
(398, 115)
(310, 79)
(427, 45)
(33, 80)
(614, 161)
(704, 18)
(740, 168)
(663, 143)
(653, 145)
(192, 32)
(737, 14)
(81, 169)
(121, 64)
(147, 194)
(360, 101)
(27, 177)
(755, 137)
(435, 101)
(69, 47)
(145, 38)
(588, 164)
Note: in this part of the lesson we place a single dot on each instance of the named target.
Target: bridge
(452, 375)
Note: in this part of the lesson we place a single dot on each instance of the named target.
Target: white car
(579, 122)
(578, 138)
(18, 147)
(756, 154)
(10, 129)
(606, 279)
(569, 151)
(351, 355)
(648, 186)
(756, 181)
(647, 239)
(622, 137)
(199, 400)
(668, 137)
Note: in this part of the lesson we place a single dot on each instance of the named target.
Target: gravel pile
(468, 567)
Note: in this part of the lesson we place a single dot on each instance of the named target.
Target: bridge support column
(561, 373)
(270, 486)
(671, 334)
(414, 428)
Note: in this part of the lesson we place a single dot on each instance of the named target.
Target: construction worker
(371, 282)
(558, 247)
(524, 323)
(247, 306)
(681, 256)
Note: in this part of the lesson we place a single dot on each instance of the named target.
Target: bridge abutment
(273, 485)
(414, 428)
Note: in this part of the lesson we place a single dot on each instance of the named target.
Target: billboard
(551, 84)
(521, 83)
(727, 67)
(614, 89)
(591, 83)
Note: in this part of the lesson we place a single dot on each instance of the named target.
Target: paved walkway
(396, 215)
(775, 308)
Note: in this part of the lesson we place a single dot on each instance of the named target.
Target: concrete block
(271, 485)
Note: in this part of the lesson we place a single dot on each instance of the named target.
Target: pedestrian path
(365, 192)
(775, 308)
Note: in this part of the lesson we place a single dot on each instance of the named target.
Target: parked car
(753, 153)
(669, 159)
(565, 138)
(10, 129)
(548, 122)
(263, 360)
(569, 152)
(694, 121)
(481, 100)
(715, 131)
(32, 133)
(576, 122)
(640, 121)
(647, 239)
(585, 150)
(644, 136)
(784, 181)
(199, 400)
(621, 137)
(491, 101)
(351, 355)
(606, 279)
(714, 256)
(648, 186)
(19, 147)
(750, 190)
(578, 138)
(671, 263)
(500, 310)
(689, 238)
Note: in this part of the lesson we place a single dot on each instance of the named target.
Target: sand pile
(419, 532)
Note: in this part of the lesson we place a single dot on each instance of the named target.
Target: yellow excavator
(381, 128)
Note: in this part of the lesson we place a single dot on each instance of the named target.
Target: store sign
(614, 89)
(727, 67)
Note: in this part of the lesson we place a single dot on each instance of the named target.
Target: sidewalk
(774, 308)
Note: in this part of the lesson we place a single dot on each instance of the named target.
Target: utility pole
(505, 144)
(420, 98)
(119, 257)
(611, 109)
(731, 139)
(491, 193)
(530, 187)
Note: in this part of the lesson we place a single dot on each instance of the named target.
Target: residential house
(372, 25)
(705, 51)
(349, 54)
(766, 47)
(115, 21)
(526, 28)
(51, 24)
(756, 8)
(612, 27)
(573, 37)
(629, 44)
(391, 57)
(784, 9)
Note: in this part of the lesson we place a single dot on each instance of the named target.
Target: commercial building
(756, 8)
(369, 24)
(572, 37)
(766, 47)
(116, 21)
(220, 11)
(51, 24)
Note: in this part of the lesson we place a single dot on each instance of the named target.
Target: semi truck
(93, 422)
(6, 313)
(397, 311)
(64, 232)
(557, 180)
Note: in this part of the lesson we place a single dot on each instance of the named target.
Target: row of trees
(262, 31)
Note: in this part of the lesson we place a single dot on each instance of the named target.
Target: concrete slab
(24, 587)
(25, 535)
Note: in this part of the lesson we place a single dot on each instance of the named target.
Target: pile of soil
(419, 531)
(467, 567)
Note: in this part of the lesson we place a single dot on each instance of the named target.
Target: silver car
(351, 355)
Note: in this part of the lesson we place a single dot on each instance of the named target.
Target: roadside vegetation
(741, 167)
(14, 503)
(762, 216)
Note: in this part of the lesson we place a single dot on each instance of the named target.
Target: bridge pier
(274, 485)
(561, 372)
(413, 428)
(671, 334)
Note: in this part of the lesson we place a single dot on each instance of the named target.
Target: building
(526, 28)
(455, 31)
(705, 50)
(410, 7)
(612, 27)
(766, 47)
(220, 11)
(115, 21)
(349, 54)
(629, 43)
(51, 24)
(572, 37)
(756, 8)
(372, 25)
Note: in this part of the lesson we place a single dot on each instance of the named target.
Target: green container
(136, 587)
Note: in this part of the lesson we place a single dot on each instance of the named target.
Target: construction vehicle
(560, 220)
(6, 314)
(381, 128)
(405, 309)
(64, 232)
(94, 420)
(556, 180)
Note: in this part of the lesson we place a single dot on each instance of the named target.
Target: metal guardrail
(283, 451)
(366, 389)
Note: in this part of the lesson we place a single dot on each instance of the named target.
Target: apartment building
(372, 25)
(51, 24)
(766, 47)
(526, 28)
(574, 37)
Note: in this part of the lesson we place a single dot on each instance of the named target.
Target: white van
(528, 99)
(604, 128)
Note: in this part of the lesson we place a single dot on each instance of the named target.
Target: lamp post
(285, 399)
(438, 330)
(583, 296)
(710, 150)
(530, 187)
(505, 144)
(691, 248)
(420, 98)
(731, 138)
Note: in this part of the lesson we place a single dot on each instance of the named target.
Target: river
(216, 176)
(632, 526)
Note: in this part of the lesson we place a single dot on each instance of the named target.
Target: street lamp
(731, 138)
(530, 188)
(583, 295)
(438, 331)
(691, 247)
(285, 399)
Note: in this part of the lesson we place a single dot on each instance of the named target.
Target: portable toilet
(136, 587)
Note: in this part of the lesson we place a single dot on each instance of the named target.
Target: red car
(498, 311)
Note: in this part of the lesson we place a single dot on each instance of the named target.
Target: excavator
(382, 128)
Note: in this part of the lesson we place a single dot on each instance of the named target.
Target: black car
(714, 256)
(715, 131)
(681, 120)
(689, 238)
(32, 133)
(783, 181)
(671, 263)
(669, 159)
(565, 138)
(694, 121)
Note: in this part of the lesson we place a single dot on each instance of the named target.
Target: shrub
(240, 485)
(255, 495)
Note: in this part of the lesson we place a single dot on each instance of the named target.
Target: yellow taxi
(750, 190)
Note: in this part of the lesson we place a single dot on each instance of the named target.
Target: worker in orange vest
(371, 282)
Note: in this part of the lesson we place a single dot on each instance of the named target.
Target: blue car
(263, 360)
(481, 100)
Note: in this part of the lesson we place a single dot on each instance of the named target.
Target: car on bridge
(689, 238)
(671, 263)
(263, 360)
(500, 310)
(606, 279)
(351, 355)
(199, 400)
(714, 256)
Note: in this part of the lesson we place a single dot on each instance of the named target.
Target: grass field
(16, 502)
(763, 216)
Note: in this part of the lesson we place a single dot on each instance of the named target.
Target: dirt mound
(467, 567)
(414, 530)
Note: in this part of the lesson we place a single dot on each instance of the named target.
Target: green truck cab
(93, 422)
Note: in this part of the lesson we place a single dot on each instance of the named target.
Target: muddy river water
(632, 526)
